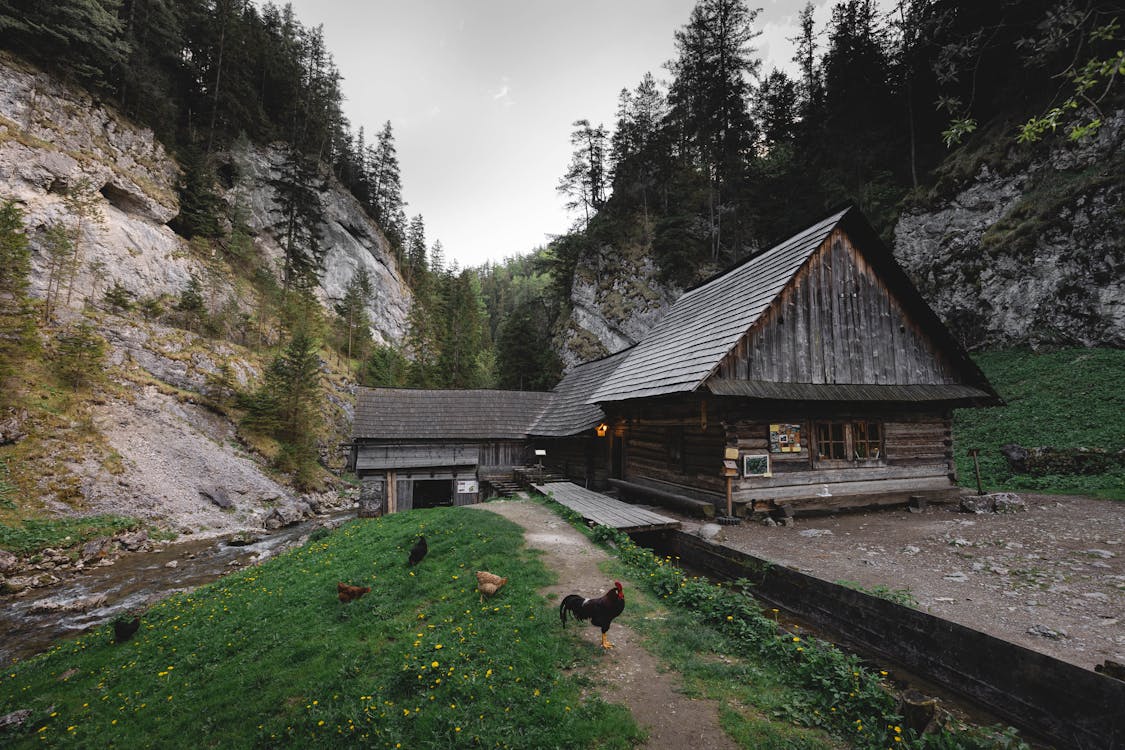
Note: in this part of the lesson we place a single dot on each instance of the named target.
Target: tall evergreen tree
(352, 310)
(385, 180)
(416, 260)
(77, 38)
(709, 100)
(17, 322)
(297, 190)
(585, 182)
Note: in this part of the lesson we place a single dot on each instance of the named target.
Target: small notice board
(785, 438)
(467, 486)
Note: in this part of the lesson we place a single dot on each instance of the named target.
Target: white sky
(482, 95)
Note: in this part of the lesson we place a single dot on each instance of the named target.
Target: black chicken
(124, 629)
(418, 551)
(600, 611)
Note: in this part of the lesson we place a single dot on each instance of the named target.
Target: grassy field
(268, 657)
(1067, 399)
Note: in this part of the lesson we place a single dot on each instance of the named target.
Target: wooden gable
(838, 322)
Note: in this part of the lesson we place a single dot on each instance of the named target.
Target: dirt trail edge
(629, 674)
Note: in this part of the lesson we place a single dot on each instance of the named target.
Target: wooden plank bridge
(600, 509)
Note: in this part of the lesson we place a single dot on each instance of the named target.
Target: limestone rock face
(350, 238)
(1033, 257)
(615, 299)
(54, 138)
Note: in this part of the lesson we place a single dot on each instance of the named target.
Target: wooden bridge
(600, 509)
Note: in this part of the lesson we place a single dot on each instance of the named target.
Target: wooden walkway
(596, 507)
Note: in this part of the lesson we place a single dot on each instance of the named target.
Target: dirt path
(630, 675)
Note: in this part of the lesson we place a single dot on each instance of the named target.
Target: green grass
(905, 597)
(776, 689)
(760, 707)
(268, 657)
(1066, 399)
(34, 534)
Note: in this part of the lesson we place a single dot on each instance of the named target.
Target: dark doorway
(431, 493)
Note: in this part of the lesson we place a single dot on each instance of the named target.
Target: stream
(31, 621)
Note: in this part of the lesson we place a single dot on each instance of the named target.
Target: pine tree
(84, 204)
(464, 362)
(352, 310)
(297, 190)
(386, 183)
(585, 181)
(17, 323)
(78, 38)
(79, 355)
(709, 100)
(416, 261)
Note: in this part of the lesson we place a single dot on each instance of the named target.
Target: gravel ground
(1051, 578)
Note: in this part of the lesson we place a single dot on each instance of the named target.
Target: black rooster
(124, 629)
(418, 551)
(600, 611)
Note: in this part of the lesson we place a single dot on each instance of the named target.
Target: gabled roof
(685, 346)
(569, 412)
(413, 414)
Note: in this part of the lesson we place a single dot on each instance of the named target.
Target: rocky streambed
(58, 594)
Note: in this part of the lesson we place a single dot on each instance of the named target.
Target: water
(31, 621)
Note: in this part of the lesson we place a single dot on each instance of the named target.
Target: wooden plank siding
(837, 322)
(666, 444)
(918, 455)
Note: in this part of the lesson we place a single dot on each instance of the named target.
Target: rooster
(348, 593)
(600, 611)
(417, 552)
(488, 583)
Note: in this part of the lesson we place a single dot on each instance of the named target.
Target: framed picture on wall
(756, 465)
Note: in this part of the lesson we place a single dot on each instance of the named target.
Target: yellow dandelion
(433, 664)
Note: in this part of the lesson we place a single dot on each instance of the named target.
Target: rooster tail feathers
(570, 602)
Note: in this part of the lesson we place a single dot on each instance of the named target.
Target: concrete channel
(1068, 706)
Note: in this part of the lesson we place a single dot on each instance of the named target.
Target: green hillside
(269, 657)
(1071, 398)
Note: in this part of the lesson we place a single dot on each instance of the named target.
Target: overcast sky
(482, 95)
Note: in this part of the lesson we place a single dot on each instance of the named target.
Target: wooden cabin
(813, 375)
(815, 368)
(423, 448)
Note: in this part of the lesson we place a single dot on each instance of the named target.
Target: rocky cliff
(615, 299)
(153, 445)
(53, 138)
(1028, 255)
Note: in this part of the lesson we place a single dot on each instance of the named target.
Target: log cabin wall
(677, 443)
(915, 455)
(837, 322)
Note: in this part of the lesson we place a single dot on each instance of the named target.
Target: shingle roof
(701, 327)
(402, 413)
(569, 413)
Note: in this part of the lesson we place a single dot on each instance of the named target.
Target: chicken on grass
(600, 611)
(417, 552)
(347, 593)
(488, 583)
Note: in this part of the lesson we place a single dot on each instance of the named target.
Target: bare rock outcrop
(1033, 256)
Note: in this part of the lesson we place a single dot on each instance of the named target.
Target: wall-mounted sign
(785, 438)
(756, 465)
(467, 487)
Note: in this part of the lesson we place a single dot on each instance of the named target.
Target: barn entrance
(432, 493)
